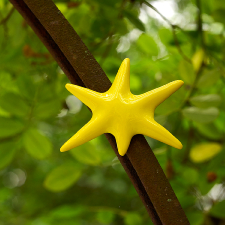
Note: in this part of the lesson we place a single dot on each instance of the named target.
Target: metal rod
(82, 69)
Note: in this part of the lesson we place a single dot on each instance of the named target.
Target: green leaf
(204, 151)
(205, 101)
(7, 152)
(203, 185)
(195, 217)
(14, 104)
(186, 200)
(26, 86)
(135, 82)
(62, 7)
(201, 115)
(37, 145)
(63, 177)
(147, 44)
(47, 109)
(208, 78)
(10, 127)
(3, 113)
(107, 3)
(6, 194)
(6, 82)
(209, 131)
(187, 72)
(100, 27)
(105, 217)
(87, 154)
(133, 219)
(134, 20)
(218, 210)
(189, 175)
(165, 36)
(217, 4)
(219, 15)
(67, 212)
(161, 119)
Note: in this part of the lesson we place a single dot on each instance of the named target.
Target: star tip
(182, 82)
(122, 153)
(126, 61)
(180, 146)
(178, 83)
(63, 149)
(68, 85)
(71, 87)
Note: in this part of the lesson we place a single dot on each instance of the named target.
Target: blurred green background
(87, 185)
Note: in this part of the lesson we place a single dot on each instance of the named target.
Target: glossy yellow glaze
(121, 113)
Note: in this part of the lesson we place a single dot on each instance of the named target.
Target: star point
(119, 112)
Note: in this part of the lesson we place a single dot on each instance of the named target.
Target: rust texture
(82, 69)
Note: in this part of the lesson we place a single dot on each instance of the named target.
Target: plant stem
(199, 23)
(4, 20)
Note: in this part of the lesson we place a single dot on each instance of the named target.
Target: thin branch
(4, 20)
(178, 45)
(121, 8)
(199, 23)
(189, 143)
(173, 27)
(108, 46)
(156, 10)
(5, 36)
(107, 51)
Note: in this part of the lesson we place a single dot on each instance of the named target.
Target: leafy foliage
(40, 185)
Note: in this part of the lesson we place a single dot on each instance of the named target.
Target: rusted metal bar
(82, 69)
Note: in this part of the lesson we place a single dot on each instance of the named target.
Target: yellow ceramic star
(119, 112)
